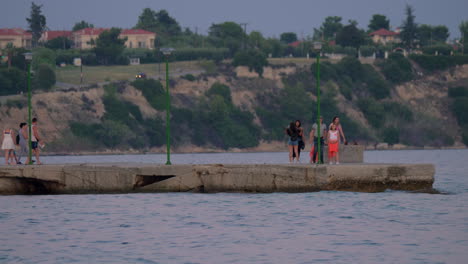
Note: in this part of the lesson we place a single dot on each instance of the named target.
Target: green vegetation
(36, 22)
(459, 107)
(109, 47)
(81, 25)
(12, 81)
(397, 68)
(153, 91)
(216, 121)
(44, 79)
(253, 59)
(122, 124)
(434, 63)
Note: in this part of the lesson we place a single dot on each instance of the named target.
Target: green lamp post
(167, 52)
(28, 56)
(318, 48)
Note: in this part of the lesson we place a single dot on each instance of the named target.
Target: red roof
(14, 32)
(295, 44)
(97, 31)
(136, 32)
(55, 34)
(91, 31)
(383, 32)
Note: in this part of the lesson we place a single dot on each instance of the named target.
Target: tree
(228, 34)
(10, 51)
(37, 23)
(329, 28)
(409, 29)
(167, 25)
(464, 35)
(43, 56)
(378, 21)
(59, 43)
(429, 35)
(147, 20)
(350, 36)
(109, 47)
(159, 22)
(45, 77)
(81, 25)
(440, 33)
(253, 59)
(288, 37)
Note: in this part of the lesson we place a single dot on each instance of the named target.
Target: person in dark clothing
(300, 142)
(293, 140)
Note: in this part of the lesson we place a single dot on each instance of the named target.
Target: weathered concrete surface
(125, 178)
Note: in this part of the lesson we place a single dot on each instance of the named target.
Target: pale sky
(271, 17)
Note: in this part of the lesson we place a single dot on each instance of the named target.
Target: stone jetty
(135, 177)
(351, 175)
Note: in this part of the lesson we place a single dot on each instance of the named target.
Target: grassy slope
(98, 74)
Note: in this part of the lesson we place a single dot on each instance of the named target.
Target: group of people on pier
(12, 141)
(330, 136)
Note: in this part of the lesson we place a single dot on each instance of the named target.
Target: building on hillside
(384, 36)
(85, 38)
(136, 38)
(52, 34)
(20, 38)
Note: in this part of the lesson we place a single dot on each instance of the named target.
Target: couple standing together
(10, 140)
(330, 136)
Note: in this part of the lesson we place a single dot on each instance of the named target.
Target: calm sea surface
(321, 227)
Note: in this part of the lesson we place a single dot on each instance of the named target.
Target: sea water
(318, 227)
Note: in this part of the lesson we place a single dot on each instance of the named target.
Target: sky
(271, 17)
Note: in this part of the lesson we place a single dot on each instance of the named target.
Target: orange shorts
(333, 149)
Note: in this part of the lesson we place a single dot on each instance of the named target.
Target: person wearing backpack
(293, 141)
(22, 141)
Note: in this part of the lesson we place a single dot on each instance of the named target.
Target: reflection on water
(332, 227)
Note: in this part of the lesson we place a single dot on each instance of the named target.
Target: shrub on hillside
(398, 111)
(397, 68)
(220, 89)
(434, 63)
(43, 56)
(189, 77)
(440, 49)
(367, 51)
(44, 78)
(253, 59)
(12, 81)
(373, 111)
(391, 135)
(458, 91)
(460, 110)
(153, 91)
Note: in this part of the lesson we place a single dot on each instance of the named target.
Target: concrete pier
(136, 177)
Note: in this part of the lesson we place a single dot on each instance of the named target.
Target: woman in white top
(8, 145)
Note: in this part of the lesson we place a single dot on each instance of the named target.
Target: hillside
(230, 108)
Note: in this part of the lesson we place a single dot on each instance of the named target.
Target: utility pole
(245, 34)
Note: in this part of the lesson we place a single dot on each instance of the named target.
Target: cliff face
(426, 96)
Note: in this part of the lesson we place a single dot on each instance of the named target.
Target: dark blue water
(322, 227)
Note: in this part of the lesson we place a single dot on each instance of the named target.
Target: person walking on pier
(23, 144)
(333, 141)
(35, 141)
(314, 136)
(300, 140)
(8, 145)
(293, 141)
